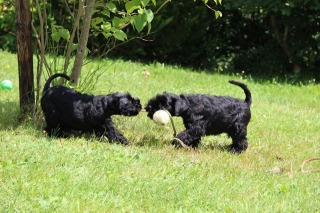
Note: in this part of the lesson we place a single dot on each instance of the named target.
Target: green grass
(82, 174)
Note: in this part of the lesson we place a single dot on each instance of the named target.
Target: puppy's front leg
(112, 134)
(190, 137)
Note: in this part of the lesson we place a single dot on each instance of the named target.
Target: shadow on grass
(150, 140)
(9, 115)
(214, 146)
(302, 78)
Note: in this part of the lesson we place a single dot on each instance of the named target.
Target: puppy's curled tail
(47, 84)
(248, 99)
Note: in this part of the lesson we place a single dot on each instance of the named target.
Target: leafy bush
(244, 38)
(7, 27)
(187, 33)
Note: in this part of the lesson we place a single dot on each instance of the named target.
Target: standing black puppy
(66, 109)
(207, 115)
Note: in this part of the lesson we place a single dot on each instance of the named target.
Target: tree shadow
(9, 115)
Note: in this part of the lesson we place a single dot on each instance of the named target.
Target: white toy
(161, 117)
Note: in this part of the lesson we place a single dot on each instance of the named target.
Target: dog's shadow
(220, 142)
(74, 134)
(215, 146)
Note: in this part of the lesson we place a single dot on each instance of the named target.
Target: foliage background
(187, 33)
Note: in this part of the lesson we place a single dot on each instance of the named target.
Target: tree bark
(76, 70)
(75, 28)
(25, 63)
(283, 42)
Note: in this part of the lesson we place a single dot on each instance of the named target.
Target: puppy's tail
(47, 84)
(248, 99)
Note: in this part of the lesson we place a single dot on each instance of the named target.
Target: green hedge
(187, 33)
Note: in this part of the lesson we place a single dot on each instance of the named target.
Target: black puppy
(207, 115)
(66, 109)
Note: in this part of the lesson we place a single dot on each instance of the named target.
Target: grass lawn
(86, 174)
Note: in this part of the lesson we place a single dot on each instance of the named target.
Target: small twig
(161, 6)
(173, 127)
(210, 8)
(175, 132)
(308, 160)
(291, 169)
(181, 143)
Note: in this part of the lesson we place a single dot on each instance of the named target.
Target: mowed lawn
(88, 174)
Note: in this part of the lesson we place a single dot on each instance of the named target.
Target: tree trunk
(283, 42)
(76, 70)
(25, 63)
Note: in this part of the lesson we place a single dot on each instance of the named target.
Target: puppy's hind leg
(239, 138)
(53, 127)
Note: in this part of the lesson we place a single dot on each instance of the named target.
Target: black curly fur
(66, 109)
(207, 115)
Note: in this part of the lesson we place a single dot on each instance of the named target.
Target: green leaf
(217, 13)
(106, 27)
(120, 35)
(95, 22)
(154, 2)
(111, 6)
(136, 2)
(64, 33)
(149, 14)
(131, 6)
(74, 46)
(95, 11)
(107, 35)
(165, 22)
(140, 11)
(139, 22)
(127, 18)
(117, 22)
(144, 3)
(56, 36)
(106, 12)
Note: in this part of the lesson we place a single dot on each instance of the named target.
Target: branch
(285, 34)
(282, 42)
(76, 70)
(161, 6)
(41, 40)
(67, 6)
(70, 43)
(210, 7)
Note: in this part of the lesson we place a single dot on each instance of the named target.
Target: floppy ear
(115, 104)
(110, 104)
(179, 107)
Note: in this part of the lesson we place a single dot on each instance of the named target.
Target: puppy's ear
(115, 103)
(111, 104)
(179, 107)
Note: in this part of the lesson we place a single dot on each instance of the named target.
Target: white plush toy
(161, 117)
